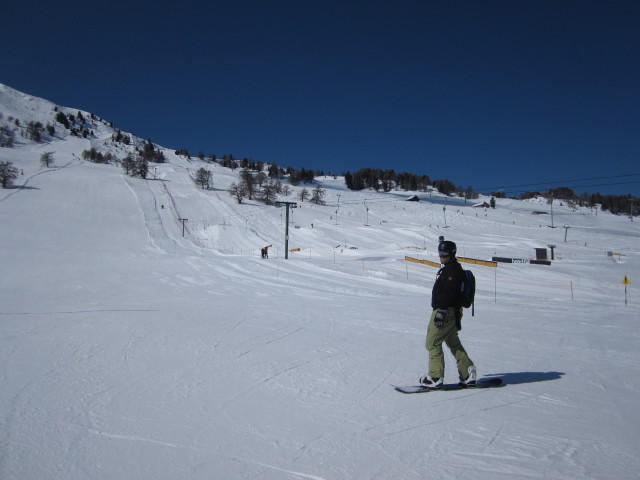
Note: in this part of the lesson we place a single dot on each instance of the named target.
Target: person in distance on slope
(445, 321)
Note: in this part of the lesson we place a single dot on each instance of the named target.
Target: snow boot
(470, 381)
(430, 382)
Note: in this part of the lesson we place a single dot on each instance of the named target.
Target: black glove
(438, 320)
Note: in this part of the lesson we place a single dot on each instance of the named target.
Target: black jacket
(447, 289)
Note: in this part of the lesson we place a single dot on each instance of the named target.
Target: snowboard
(482, 383)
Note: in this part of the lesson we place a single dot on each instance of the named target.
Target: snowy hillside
(128, 350)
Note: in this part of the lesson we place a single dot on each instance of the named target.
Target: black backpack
(468, 291)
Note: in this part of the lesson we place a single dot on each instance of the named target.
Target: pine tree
(318, 196)
(34, 131)
(46, 159)
(141, 167)
(128, 164)
(6, 137)
(62, 118)
(8, 173)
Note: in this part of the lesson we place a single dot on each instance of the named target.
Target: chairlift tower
(365, 206)
(184, 221)
(286, 226)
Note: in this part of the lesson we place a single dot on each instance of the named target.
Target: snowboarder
(265, 252)
(445, 321)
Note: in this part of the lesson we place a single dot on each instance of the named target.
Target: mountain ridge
(101, 133)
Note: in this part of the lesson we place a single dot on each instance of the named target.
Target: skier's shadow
(515, 378)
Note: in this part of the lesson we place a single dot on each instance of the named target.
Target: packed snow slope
(128, 350)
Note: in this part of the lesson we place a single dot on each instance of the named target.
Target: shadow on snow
(516, 378)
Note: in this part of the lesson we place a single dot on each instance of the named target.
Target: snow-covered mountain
(142, 336)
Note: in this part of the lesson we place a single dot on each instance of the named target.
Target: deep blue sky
(483, 93)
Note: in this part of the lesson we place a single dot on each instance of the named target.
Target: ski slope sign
(625, 282)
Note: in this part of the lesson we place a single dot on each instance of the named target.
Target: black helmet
(447, 247)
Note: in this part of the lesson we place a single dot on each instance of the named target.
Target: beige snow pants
(448, 334)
